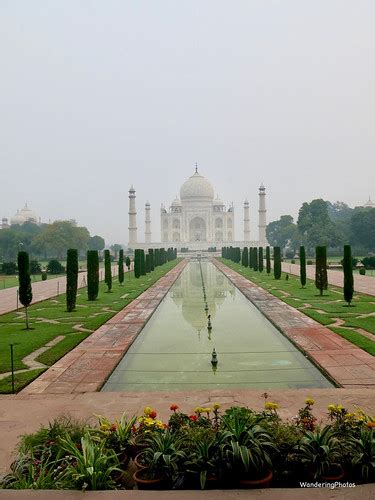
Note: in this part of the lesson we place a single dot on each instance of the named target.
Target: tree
(25, 292)
(55, 267)
(251, 258)
(152, 258)
(245, 257)
(268, 260)
(321, 280)
(9, 268)
(348, 275)
(121, 266)
(128, 262)
(255, 259)
(316, 226)
(137, 263)
(277, 263)
(55, 239)
(362, 228)
(260, 260)
(302, 265)
(96, 243)
(143, 262)
(115, 249)
(283, 232)
(92, 274)
(107, 270)
(148, 263)
(35, 267)
(71, 279)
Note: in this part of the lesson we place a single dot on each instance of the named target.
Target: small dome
(369, 204)
(17, 218)
(28, 215)
(196, 187)
(176, 202)
(218, 201)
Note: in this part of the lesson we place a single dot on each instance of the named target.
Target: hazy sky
(98, 95)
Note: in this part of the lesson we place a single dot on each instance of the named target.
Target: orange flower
(152, 414)
(193, 418)
(370, 425)
(113, 427)
(173, 407)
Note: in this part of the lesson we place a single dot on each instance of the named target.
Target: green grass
(21, 380)
(359, 340)
(89, 314)
(12, 281)
(323, 309)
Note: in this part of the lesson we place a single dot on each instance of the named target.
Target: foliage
(302, 264)
(35, 267)
(369, 262)
(255, 259)
(9, 268)
(96, 243)
(362, 227)
(92, 274)
(128, 262)
(137, 263)
(71, 279)
(121, 274)
(283, 233)
(321, 279)
(55, 267)
(260, 259)
(107, 270)
(56, 238)
(245, 257)
(268, 260)
(315, 225)
(277, 263)
(348, 274)
(25, 293)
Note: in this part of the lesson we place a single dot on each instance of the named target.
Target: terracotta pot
(147, 484)
(137, 461)
(336, 473)
(263, 482)
(123, 459)
(212, 482)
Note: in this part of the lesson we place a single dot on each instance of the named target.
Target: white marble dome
(176, 202)
(24, 215)
(218, 202)
(196, 187)
(17, 218)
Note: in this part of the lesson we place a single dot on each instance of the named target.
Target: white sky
(97, 95)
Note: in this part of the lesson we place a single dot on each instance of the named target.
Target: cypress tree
(121, 275)
(321, 281)
(302, 265)
(107, 270)
(25, 293)
(245, 257)
(148, 264)
(277, 263)
(137, 263)
(260, 263)
(128, 262)
(255, 259)
(143, 262)
(268, 260)
(348, 274)
(92, 274)
(71, 279)
(251, 258)
(151, 254)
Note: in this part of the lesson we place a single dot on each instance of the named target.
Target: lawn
(11, 281)
(49, 319)
(327, 309)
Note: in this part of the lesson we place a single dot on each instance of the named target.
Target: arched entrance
(197, 229)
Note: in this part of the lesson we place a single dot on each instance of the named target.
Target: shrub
(348, 274)
(55, 267)
(321, 280)
(71, 279)
(44, 275)
(107, 270)
(289, 254)
(268, 260)
(255, 259)
(25, 292)
(293, 261)
(9, 268)
(369, 262)
(362, 271)
(302, 265)
(309, 262)
(35, 267)
(137, 263)
(121, 267)
(245, 257)
(277, 263)
(128, 262)
(260, 259)
(92, 274)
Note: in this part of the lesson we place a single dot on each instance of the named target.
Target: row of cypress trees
(145, 263)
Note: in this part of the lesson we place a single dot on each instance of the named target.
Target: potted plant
(320, 452)
(203, 462)
(363, 455)
(162, 458)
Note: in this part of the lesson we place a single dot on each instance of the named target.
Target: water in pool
(173, 351)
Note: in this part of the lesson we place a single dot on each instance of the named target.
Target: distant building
(20, 217)
(369, 204)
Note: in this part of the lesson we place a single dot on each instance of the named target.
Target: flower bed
(210, 448)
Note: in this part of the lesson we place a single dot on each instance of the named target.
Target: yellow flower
(199, 409)
(216, 406)
(207, 410)
(271, 406)
(309, 401)
(147, 410)
(331, 407)
(104, 427)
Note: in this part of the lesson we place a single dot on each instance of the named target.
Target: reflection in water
(174, 351)
(187, 293)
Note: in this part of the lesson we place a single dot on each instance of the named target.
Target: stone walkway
(43, 290)
(344, 362)
(363, 284)
(87, 367)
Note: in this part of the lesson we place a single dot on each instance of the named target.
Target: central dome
(197, 187)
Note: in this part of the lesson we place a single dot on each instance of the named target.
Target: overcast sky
(98, 95)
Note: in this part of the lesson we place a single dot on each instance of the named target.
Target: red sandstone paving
(344, 362)
(88, 366)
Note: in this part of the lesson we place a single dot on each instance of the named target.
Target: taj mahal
(197, 220)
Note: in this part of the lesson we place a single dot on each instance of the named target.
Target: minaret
(246, 221)
(132, 219)
(147, 223)
(262, 215)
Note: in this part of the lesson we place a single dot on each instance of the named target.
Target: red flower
(173, 407)
(152, 414)
(193, 418)
(134, 429)
(113, 427)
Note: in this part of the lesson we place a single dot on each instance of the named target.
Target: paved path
(363, 284)
(43, 290)
(87, 367)
(344, 362)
